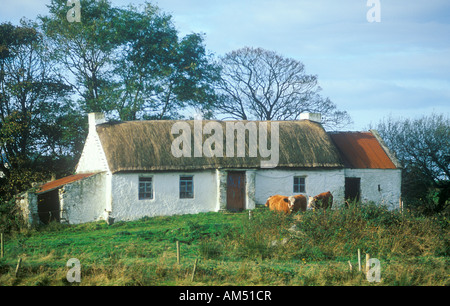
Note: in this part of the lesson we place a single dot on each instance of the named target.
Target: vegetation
(130, 63)
(422, 146)
(263, 85)
(311, 248)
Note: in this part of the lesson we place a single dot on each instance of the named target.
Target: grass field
(311, 248)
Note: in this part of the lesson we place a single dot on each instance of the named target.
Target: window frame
(184, 192)
(145, 195)
(299, 184)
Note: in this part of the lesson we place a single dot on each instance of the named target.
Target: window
(299, 184)
(186, 187)
(145, 188)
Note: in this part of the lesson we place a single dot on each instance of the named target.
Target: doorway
(236, 191)
(48, 207)
(352, 189)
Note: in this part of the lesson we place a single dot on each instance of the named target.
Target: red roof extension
(63, 181)
(361, 150)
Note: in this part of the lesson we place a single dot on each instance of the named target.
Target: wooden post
(1, 246)
(359, 260)
(351, 267)
(367, 263)
(18, 267)
(178, 252)
(195, 268)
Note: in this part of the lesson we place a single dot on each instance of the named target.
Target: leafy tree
(423, 147)
(261, 84)
(130, 62)
(159, 74)
(31, 100)
(85, 50)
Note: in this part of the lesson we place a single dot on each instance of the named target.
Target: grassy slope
(234, 250)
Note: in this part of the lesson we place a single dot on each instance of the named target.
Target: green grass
(234, 250)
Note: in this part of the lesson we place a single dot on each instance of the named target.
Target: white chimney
(316, 117)
(95, 119)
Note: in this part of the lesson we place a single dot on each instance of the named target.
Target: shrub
(10, 218)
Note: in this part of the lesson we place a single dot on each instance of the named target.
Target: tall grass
(308, 248)
(332, 234)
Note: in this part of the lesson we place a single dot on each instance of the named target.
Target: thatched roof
(146, 146)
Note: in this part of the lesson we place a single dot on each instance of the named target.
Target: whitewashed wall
(166, 200)
(27, 203)
(84, 200)
(271, 182)
(250, 189)
(389, 181)
(93, 158)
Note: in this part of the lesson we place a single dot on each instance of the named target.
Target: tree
(31, 99)
(423, 147)
(158, 72)
(130, 62)
(85, 50)
(261, 84)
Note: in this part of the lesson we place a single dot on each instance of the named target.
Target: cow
(323, 200)
(286, 204)
(297, 203)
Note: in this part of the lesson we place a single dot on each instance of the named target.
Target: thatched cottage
(129, 170)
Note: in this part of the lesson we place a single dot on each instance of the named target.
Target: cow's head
(311, 203)
(291, 201)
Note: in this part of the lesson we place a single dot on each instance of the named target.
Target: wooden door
(352, 189)
(236, 190)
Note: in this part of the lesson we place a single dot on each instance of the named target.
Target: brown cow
(323, 200)
(297, 203)
(287, 204)
(278, 203)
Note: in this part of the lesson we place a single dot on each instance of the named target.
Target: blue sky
(397, 67)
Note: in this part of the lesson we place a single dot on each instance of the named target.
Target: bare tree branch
(260, 84)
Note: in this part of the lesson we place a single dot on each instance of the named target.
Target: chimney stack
(316, 117)
(95, 119)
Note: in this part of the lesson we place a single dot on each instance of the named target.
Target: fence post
(18, 267)
(1, 247)
(367, 263)
(178, 252)
(193, 271)
(359, 260)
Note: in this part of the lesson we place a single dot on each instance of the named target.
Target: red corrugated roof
(361, 150)
(63, 181)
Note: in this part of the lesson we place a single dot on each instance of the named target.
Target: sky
(397, 65)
